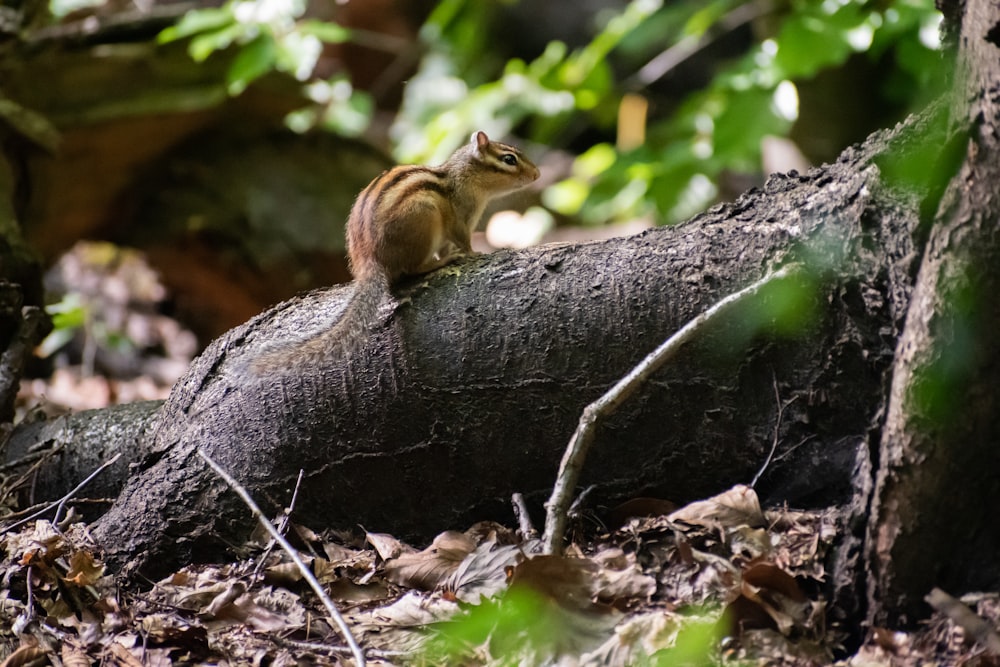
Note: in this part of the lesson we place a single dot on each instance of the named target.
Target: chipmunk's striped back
(394, 187)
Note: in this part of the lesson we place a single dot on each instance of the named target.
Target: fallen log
(474, 379)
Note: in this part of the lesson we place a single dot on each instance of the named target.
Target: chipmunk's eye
(509, 159)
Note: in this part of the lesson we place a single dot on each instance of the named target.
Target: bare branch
(345, 630)
(576, 452)
(59, 504)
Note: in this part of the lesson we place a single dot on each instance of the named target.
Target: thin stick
(58, 504)
(524, 524)
(345, 630)
(282, 528)
(777, 428)
(32, 457)
(576, 452)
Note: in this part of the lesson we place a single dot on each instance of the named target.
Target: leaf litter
(718, 581)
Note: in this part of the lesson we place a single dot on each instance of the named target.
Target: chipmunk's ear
(480, 140)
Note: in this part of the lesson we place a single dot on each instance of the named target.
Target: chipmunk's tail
(346, 337)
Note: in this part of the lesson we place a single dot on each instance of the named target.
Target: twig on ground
(59, 504)
(576, 452)
(37, 506)
(791, 450)
(282, 527)
(34, 457)
(777, 429)
(524, 524)
(576, 509)
(345, 630)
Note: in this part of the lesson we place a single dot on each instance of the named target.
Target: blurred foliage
(525, 626)
(685, 147)
(273, 36)
(675, 172)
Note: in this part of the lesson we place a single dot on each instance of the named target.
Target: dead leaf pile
(718, 581)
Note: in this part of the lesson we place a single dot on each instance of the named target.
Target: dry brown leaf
(346, 590)
(155, 657)
(181, 578)
(775, 593)
(768, 576)
(801, 540)
(123, 657)
(305, 533)
(224, 598)
(483, 574)
(638, 508)
(765, 643)
(639, 636)
(736, 507)
(285, 573)
(708, 577)
(749, 543)
(73, 656)
(336, 553)
(387, 546)
(887, 639)
(84, 569)
(564, 580)
(619, 578)
(235, 605)
(557, 615)
(26, 654)
(401, 625)
(41, 539)
(428, 568)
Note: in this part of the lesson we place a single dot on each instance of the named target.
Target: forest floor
(719, 581)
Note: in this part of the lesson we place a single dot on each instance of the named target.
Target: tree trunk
(933, 524)
(23, 323)
(470, 390)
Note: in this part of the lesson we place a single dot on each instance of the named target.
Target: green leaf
(747, 117)
(54, 341)
(566, 196)
(694, 646)
(351, 116)
(205, 44)
(331, 33)
(252, 62)
(703, 19)
(297, 53)
(195, 21)
(68, 317)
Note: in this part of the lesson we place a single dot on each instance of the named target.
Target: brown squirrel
(410, 220)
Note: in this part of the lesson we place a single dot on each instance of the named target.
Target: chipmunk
(410, 220)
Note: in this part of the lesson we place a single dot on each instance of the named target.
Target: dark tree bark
(471, 390)
(933, 519)
(72, 446)
(23, 323)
